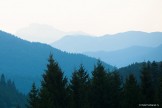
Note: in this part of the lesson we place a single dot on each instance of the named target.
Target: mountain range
(86, 43)
(24, 61)
(43, 33)
(119, 49)
(124, 57)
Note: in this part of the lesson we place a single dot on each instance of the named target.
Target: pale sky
(96, 17)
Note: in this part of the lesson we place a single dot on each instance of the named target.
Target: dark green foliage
(3, 80)
(80, 86)
(18, 106)
(160, 85)
(100, 87)
(131, 93)
(154, 72)
(53, 93)
(115, 90)
(103, 89)
(33, 100)
(134, 69)
(147, 84)
(160, 69)
(155, 80)
(160, 92)
(9, 96)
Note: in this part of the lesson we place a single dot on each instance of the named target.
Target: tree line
(10, 97)
(101, 89)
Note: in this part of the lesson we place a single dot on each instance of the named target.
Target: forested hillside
(129, 55)
(104, 89)
(10, 97)
(24, 61)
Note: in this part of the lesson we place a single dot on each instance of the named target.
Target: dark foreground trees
(100, 87)
(80, 88)
(131, 93)
(102, 90)
(54, 88)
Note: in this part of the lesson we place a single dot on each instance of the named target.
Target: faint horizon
(48, 34)
(96, 17)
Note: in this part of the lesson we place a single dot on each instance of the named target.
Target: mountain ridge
(124, 57)
(24, 61)
(43, 33)
(114, 42)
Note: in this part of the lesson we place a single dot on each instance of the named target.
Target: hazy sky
(96, 17)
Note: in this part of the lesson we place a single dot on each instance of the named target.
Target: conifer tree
(80, 88)
(115, 90)
(147, 84)
(154, 72)
(160, 84)
(160, 92)
(53, 92)
(155, 80)
(131, 93)
(160, 69)
(100, 87)
(3, 80)
(33, 100)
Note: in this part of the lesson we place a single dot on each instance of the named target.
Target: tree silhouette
(100, 87)
(147, 84)
(53, 92)
(131, 93)
(33, 100)
(80, 88)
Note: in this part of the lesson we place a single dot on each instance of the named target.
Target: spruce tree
(155, 73)
(155, 80)
(100, 87)
(160, 92)
(80, 88)
(131, 93)
(160, 69)
(147, 84)
(53, 92)
(3, 80)
(115, 90)
(33, 101)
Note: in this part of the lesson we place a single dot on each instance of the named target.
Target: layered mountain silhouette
(129, 55)
(84, 43)
(119, 49)
(25, 62)
(43, 33)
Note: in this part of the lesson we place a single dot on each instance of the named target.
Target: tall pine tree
(100, 87)
(3, 80)
(160, 92)
(33, 100)
(147, 84)
(131, 93)
(160, 85)
(115, 90)
(155, 80)
(53, 92)
(80, 88)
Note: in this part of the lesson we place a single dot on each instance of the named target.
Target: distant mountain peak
(44, 33)
(114, 42)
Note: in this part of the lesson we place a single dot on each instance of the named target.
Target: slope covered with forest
(24, 61)
(10, 97)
